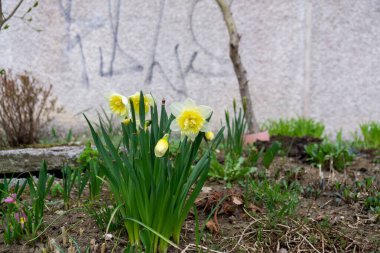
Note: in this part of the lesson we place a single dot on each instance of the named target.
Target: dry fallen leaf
(212, 227)
(237, 200)
(255, 209)
(206, 189)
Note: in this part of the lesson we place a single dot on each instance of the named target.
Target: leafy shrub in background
(370, 136)
(295, 127)
(26, 107)
(330, 155)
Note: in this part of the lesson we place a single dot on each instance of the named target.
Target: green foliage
(69, 175)
(370, 136)
(233, 168)
(87, 155)
(104, 217)
(372, 203)
(271, 153)
(38, 194)
(236, 128)
(108, 120)
(95, 179)
(82, 179)
(155, 194)
(56, 190)
(11, 213)
(5, 190)
(279, 199)
(295, 127)
(336, 155)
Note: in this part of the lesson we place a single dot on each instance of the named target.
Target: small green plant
(237, 168)
(106, 216)
(69, 176)
(56, 190)
(231, 170)
(87, 155)
(38, 193)
(13, 217)
(279, 199)
(236, 128)
(370, 136)
(95, 179)
(295, 127)
(5, 190)
(82, 180)
(330, 155)
(372, 203)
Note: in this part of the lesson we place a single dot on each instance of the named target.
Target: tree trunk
(240, 71)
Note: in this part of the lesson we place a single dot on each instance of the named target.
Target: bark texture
(239, 69)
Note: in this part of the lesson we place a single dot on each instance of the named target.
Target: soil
(324, 221)
(293, 146)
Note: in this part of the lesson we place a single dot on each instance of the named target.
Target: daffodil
(209, 136)
(162, 146)
(148, 102)
(119, 105)
(190, 118)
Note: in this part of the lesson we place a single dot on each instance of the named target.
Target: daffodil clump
(154, 189)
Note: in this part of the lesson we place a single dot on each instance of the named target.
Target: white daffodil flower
(190, 118)
(119, 105)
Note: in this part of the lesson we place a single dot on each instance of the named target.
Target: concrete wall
(317, 58)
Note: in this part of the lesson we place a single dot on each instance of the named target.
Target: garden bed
(323, 221)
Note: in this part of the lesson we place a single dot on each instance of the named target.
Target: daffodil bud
(209, 136)
(162, 146)
(147, 124)
(126, 121)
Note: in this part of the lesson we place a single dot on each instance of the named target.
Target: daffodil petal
(176, 108)
(125, 101)
(189, 103)
(174, 126)
(205, 111)
(205, 127)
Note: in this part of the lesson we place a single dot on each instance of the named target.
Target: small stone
(108, 237)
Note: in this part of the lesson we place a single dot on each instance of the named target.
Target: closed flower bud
(127, 121)
(209, 136)
(162, 146)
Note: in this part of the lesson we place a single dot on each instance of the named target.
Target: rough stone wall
(316, 58)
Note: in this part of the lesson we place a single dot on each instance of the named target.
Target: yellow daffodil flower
(119, 104)
(148, 102)
(162, 146)
(209, 136)
(190, 118)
